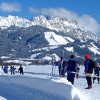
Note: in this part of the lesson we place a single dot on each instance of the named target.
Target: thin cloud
(33, 10)
(10, 7)
(89, 23)
(85, 21)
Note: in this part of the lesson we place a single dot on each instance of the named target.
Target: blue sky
(85, 11)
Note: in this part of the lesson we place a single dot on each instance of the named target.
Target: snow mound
(72, 93)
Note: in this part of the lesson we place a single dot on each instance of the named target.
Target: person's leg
(89, 82)
(73, 76)
(70, 77)
(63, 73)
(94, 79)
(60, 72)
(98, 79)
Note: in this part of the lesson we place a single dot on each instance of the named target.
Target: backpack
(91, 66)
(92, 63)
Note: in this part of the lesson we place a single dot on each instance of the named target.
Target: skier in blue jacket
(88, 70)
(5, 69)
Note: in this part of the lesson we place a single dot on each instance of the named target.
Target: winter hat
(87, 56)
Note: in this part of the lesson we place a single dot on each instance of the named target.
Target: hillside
(46, 36)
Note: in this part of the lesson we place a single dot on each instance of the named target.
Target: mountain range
(46, 38)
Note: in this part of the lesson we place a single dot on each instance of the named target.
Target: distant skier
(60, 64)
(97, 72)
(20, 70)
(12, 70)
(77, 70)
(89, 64)
(71, 69)
(62, 67)
(5, 69)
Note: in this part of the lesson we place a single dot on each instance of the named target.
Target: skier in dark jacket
(88, 71)
(97, 72)
(71, 69)
(20, 70)
(60, 66)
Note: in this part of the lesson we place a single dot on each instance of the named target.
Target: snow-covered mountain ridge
(58, 24)
(51, 23)
(6, 22)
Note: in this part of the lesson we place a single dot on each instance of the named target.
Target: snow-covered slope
(55, 39)
(37, 84)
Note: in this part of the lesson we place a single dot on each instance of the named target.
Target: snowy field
(37, 83)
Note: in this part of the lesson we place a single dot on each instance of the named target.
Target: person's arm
(86, 66)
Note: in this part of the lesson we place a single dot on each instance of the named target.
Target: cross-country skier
(96, 72)
(20, 70)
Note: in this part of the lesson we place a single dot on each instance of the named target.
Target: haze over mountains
(43, 37)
